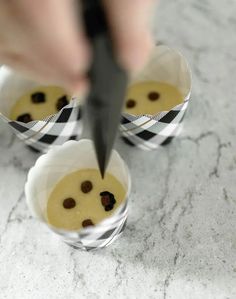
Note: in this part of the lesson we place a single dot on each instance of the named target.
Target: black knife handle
(94, 18)
(104, 66)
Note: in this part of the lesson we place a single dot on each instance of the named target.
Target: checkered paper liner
(50, 168)
(99, 236)
(148, 132)
(41, 134)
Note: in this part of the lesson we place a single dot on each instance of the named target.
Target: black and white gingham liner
(65, 159)
(100, 235)
(148, 133)
(53, 130)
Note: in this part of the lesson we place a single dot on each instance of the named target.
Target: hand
(43, 38)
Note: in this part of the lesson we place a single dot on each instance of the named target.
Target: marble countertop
(180, 242)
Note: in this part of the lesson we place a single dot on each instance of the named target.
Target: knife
(108, 82)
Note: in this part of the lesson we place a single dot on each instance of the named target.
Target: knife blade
(108, 82)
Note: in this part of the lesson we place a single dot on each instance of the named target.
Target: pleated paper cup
(39, 134)
(148, 132)
(60, 161)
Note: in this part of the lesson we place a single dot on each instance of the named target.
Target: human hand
(45, 40)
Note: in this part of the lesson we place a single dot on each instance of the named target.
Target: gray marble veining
(180, 242)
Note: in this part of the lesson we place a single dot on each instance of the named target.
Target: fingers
(45, 39)
(50, 44)
(129, 22)
(41, 73)
(61, 37)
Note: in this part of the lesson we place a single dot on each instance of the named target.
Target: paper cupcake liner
(148, 132)
(41, 134)
(50, 168)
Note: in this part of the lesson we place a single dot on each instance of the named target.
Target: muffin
(39, 103)
(82, 198)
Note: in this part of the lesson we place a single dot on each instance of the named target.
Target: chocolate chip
(107, 200)
(62, 102)
(130, 103)
(112, 198)
(38, 97)
(25, 118)
(105, 193)
(86, 186)
(153, 96)
(69, 203)
(87, 222)
(108, 208)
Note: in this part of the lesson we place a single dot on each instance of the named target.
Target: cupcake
(66, 192)
(156, 100)
(40, 115)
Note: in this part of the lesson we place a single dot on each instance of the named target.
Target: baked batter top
(77, 202)
(151, 97)
(39, 103)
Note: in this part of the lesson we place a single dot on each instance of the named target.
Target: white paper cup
(148, 132)
(50, 168)
(39, 134)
